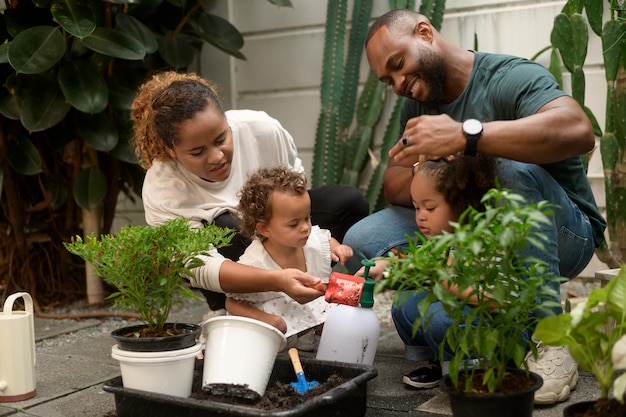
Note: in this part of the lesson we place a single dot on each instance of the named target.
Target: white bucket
(168, 372)
(239, 356)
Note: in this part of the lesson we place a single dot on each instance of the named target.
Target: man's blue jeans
(569, 249)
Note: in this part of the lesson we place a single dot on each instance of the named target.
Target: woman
(198, 156)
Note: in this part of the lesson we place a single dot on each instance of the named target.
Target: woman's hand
(298, 285)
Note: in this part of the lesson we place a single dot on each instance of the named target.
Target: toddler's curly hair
(463, 181)
(254, 197)
(162, 104)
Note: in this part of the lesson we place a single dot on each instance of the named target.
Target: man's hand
(428, 138)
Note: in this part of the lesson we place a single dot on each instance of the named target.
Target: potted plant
(147, 266)
(595, 333)
(507, 293)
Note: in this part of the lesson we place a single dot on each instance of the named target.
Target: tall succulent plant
(344, 145)
(570, 38)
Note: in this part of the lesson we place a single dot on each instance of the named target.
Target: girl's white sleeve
(207, 276)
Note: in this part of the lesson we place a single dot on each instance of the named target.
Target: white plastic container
(239, 356)
(167, 372)
(351, 333)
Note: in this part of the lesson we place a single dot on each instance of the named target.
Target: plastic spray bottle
(350, 333)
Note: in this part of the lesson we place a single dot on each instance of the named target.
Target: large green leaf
(75, 16)
(57, 190)
(120, 97)
(9, 105)
(4, 53)
(98, 131)
(135, 28)
(43, 107)
(115, 43)
(23, 156)
(90, 187)
(84, 87)
(36, 49)
(176, 51)
(221, 34)
(124, 152)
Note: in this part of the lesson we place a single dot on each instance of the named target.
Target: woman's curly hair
(254, 197)
(162, 104)
(463, 181)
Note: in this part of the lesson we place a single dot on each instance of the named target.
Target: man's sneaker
(558, 370)
(426, 376)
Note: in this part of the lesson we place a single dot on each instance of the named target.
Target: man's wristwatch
(472, 130)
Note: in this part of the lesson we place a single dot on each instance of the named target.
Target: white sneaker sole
(422, 385)
(548, 398)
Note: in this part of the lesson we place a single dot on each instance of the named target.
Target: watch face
(472, 127)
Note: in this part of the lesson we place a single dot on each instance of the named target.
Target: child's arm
(375, 272)
(241, 308)
(338, 252)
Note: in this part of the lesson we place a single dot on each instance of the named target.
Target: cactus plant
(570, 38)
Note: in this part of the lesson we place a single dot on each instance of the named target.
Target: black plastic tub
(346, 400)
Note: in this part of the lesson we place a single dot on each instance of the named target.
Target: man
(465, 101)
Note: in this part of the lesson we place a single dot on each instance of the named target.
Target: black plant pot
(157, 344)
(577, 408)
(517, 404)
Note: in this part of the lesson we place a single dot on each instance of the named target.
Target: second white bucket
(165, 372)
(239, 356)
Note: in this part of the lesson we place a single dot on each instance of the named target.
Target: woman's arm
(223, 275)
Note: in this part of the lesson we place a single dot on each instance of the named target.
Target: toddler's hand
(341, 253)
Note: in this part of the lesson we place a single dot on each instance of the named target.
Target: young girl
(440, 192)
(275, 211)
(198, 156)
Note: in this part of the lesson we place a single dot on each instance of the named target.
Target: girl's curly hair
(463, 181)
(254, 197)
(162, 104)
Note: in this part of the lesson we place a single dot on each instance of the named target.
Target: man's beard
(433, 74)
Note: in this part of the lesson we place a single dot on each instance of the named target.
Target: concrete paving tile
(59, 375)
(89, 402)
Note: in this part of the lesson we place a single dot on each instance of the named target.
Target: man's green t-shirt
(504, 87)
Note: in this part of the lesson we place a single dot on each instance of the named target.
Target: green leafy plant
(69, 70)
(507, 292)
(146, 264)
(595, 333)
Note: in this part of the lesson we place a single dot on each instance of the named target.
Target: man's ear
(424, 30)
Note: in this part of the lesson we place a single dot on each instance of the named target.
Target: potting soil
(278, 395)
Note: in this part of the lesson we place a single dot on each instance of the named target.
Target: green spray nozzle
(367, 296)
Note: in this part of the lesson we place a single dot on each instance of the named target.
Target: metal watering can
(17, 350)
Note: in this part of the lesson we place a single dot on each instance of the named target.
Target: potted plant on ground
(147, 266)
(595, 333)
(507, 293)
